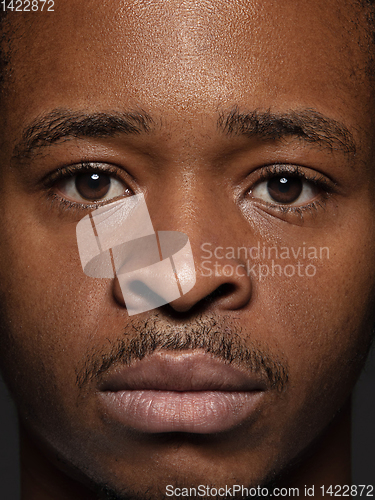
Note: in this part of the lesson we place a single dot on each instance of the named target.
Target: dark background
(363, 435)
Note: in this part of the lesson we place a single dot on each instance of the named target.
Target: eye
(90, 187)
(286, 189)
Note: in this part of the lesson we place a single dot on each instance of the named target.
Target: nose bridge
(198, 211)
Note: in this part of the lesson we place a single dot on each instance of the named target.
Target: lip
(185, 392)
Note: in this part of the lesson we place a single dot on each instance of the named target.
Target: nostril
(216, 290)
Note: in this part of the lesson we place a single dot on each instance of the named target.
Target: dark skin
(185, 67)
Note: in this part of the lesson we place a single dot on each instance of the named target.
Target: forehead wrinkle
(306, 124)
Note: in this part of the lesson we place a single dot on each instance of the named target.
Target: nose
(221, 283)
(222, 278)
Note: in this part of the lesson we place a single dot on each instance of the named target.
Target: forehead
(188, 57)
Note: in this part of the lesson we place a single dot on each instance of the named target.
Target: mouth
(185, 392)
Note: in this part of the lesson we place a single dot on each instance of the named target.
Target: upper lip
(188, 371)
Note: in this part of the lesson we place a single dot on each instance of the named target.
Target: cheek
(51, 314)
(325, 316)
(322, 326)
(318, 328)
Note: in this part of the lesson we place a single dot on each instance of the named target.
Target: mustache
(219, 337)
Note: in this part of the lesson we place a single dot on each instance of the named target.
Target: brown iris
(92, 186)
(284, 189)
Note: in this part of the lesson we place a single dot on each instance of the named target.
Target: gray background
(363, 435)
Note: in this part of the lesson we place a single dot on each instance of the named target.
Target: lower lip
(202, 412)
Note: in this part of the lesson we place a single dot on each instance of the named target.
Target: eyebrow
(63, 124)
(306, 124)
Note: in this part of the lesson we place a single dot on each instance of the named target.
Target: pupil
(285, 189)
(93, 186)
(285, 185)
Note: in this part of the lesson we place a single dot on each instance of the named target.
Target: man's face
(259, 133)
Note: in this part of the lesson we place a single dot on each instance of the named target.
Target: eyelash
(71, 171)
(267, 172)
(321, 182)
